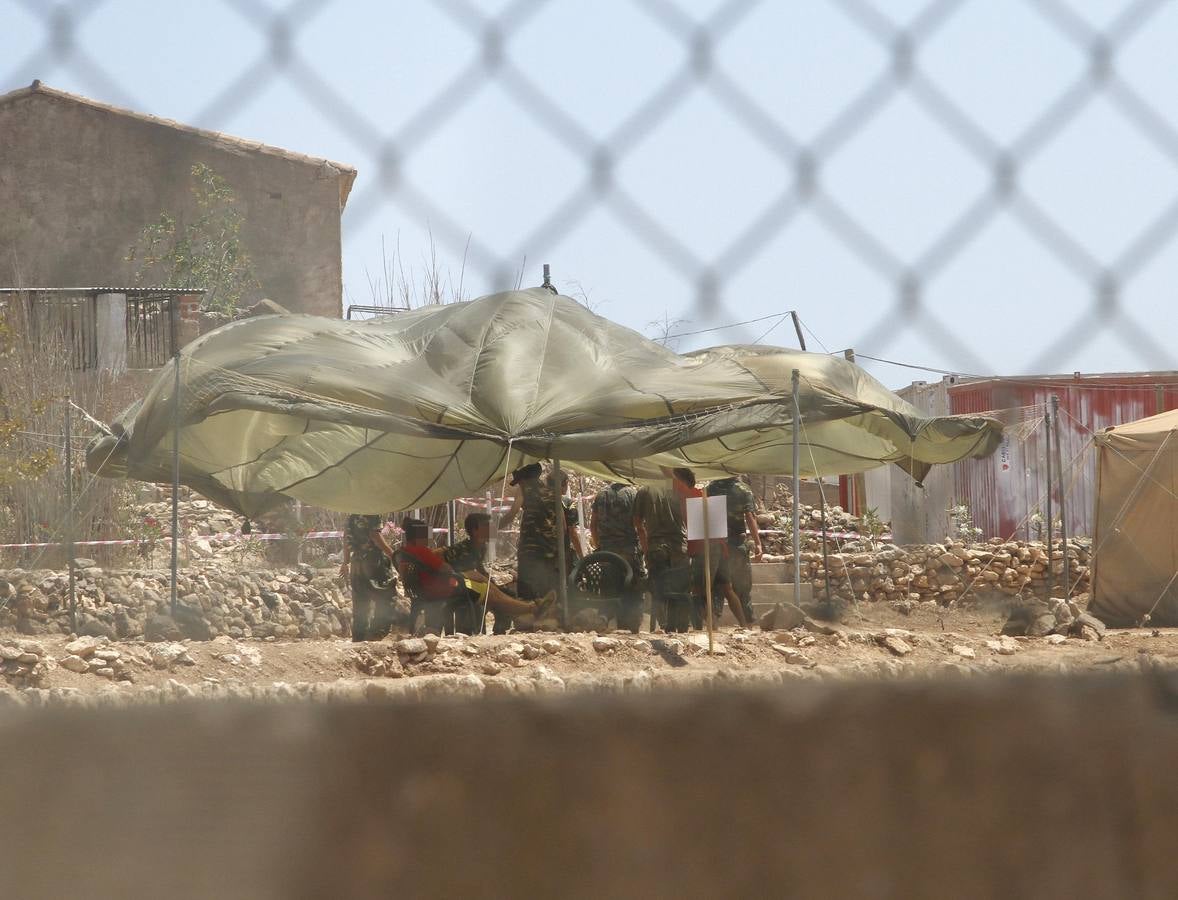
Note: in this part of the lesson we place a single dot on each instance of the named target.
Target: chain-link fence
(1085, 98)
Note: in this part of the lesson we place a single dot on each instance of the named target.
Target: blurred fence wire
(802, 161)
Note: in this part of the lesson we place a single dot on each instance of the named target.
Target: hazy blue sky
(715, 173)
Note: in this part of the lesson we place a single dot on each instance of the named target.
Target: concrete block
(769, 573)
(765, 596)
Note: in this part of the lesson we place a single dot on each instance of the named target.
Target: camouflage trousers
(670, 588)
(740, 576)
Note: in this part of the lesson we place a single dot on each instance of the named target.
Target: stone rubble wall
(212, 600)
(943, 573)
(303, 602)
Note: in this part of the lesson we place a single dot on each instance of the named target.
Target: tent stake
(1050, 527)
(1063, 515)
(797, 489)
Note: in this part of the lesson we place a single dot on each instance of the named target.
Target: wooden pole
(1063, 510)
(798, 328)
(1050, 512)
(69, 514)
(797, 488)
(562, 594)
(708, 578)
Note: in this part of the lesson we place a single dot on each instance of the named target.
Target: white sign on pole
(717, 518)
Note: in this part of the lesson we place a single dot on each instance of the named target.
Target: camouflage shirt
(740, 501)
(537, 524)
(613, 513)
(661, 511)
(358, 536)
(465, 557)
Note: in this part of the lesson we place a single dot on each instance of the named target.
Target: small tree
(206, 253)
(662, 331)
(872, 527)
(961, 526)
(24, 400)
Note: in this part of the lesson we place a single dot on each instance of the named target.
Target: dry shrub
(38, 376)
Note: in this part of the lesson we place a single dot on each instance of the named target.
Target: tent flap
(1136, 539)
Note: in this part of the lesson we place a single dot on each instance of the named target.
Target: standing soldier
(742, 518)
(611, 526)
(535, 501)
(662, 534)
(367, 566)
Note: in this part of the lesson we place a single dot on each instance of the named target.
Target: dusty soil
(873, 641)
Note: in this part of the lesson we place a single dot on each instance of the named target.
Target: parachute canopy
(420, 407)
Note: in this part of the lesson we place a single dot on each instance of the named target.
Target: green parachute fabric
(416, 408)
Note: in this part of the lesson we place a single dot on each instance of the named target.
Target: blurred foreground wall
(982, 788)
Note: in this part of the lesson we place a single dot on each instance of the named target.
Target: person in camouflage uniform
(611, 525)
(366, 566)
(742, 530)
(662, 535)
(469, 556)
(535, 502)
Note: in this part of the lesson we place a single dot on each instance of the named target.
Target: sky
(779, 165)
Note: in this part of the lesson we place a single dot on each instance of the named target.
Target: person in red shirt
(439, 581)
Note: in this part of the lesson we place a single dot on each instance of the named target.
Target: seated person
(439, 580)
(469, 556)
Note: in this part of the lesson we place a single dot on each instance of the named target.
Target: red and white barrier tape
(851, 535)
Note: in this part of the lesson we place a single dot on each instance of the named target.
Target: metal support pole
(1050, 514)
(175, 478)
(798, 328)
(450, 523)
(69, 514)
(1063, 510)
(825, 555)
(562, 594)
(797, 489)
(856, 485)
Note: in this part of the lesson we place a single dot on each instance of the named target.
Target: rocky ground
(873, 641)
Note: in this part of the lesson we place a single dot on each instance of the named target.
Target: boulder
(85, 646)
(160, 627)
(191, 622)
(73, 663)
(782, 617)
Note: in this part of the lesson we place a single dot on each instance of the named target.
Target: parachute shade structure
(1135, 568)
(423, 406)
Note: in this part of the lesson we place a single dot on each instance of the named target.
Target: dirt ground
(872, 641)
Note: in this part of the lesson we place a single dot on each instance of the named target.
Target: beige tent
(1136, 540)
(423, 406)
